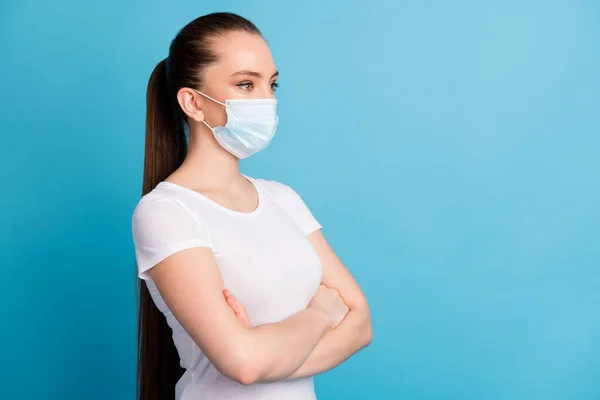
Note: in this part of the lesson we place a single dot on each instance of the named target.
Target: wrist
(322, 317)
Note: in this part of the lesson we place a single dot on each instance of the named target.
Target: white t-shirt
(264, 257)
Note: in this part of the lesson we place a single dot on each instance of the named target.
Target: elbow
(368, 335)
(243, 367)
(367, 331)
(246, 374)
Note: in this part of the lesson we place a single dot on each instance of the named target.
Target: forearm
(279, 349)
(339, 344)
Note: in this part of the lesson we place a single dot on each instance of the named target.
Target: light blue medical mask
(250, 127)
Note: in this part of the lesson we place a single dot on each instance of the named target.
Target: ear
(191, 103)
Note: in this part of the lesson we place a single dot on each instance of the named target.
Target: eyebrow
(253, 73)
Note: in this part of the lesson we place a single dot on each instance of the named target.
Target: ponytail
(165, 134)
(158, 360)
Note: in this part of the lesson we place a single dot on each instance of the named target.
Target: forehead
(240, 51)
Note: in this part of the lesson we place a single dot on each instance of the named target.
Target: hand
(238, 309)
(329, 301)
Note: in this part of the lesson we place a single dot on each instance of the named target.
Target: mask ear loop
(208, 97)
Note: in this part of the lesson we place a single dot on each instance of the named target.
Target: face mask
(250, 126)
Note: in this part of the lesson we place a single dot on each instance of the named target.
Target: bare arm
(354, 332)
(351, 335)
(191, 285)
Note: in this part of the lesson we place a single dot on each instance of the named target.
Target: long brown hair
(158, 368)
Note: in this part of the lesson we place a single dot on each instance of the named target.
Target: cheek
(215, 115)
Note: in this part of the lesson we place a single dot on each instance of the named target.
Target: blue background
(450, 150)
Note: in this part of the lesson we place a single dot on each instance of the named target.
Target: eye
(245, 85)
(274, 86)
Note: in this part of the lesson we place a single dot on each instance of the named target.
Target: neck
(207, 164)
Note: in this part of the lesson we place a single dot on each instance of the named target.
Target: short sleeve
(161, 227)
(301, 213)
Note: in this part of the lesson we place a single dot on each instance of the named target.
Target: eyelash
(242, 85)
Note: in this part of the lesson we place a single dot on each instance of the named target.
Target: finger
(231, 302)
(239, 307)
(236, 307)
(229, 297)
(240, 313)
(235, 304)
(243, 318)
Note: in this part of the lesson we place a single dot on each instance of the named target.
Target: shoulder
(280, 192)
(153, 201)
(289, 200)
(162, 225)
(157, 209)
(274, 188)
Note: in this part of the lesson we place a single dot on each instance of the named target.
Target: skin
(335, 325)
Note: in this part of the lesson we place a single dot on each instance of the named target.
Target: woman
(238, 284)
